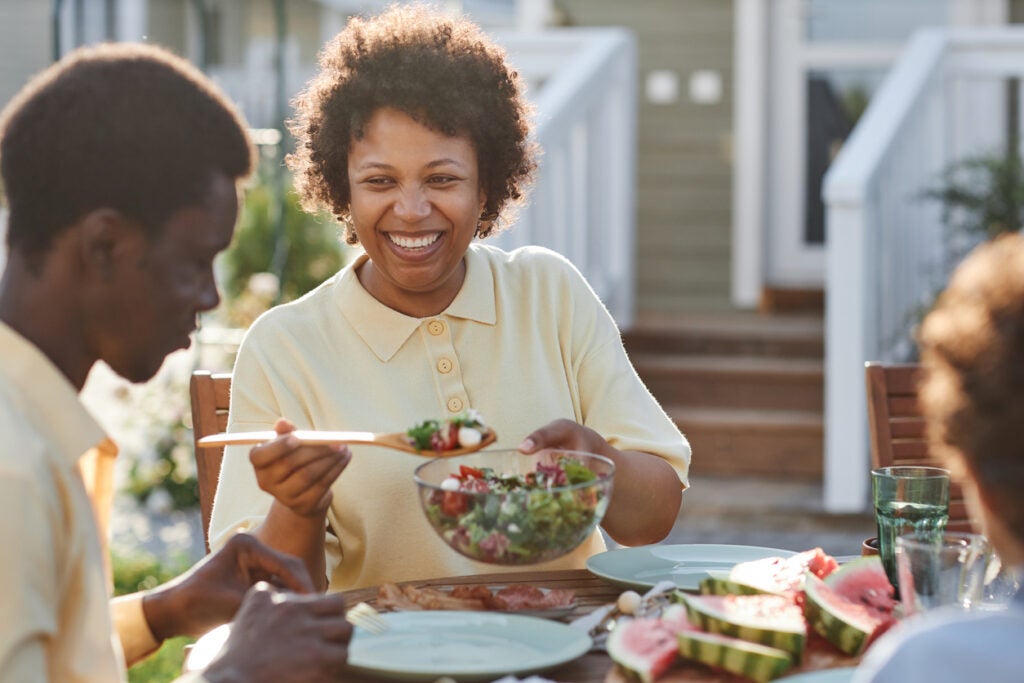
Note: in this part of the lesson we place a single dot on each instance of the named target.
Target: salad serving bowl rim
(453, 460)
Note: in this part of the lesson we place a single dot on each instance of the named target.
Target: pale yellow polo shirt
(55, 615)
(526, 341)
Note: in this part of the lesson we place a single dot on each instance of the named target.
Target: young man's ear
(104, 234)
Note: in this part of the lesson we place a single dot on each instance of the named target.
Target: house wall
(166, 24)
(25, 40)
(684, 172)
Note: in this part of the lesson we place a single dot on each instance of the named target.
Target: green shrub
(304, 255)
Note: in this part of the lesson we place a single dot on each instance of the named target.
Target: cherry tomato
(465, 471)
(454, 503)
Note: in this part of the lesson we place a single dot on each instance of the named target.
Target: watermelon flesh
(772, 620)
(648, 647)
(774, 575)
(865, 582)
(852, 606)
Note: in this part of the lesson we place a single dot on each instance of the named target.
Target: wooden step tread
(735, 419)
(790, 367)
(733, 334)
(730, 324)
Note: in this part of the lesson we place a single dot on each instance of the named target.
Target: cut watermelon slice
(852, 606)
(771, 620)
(772, 575)
(648, 647)
(758, 662)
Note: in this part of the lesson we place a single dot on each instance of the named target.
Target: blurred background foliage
(279, 253)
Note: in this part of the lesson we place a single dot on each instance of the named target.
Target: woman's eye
(441, 179)
(378, 181)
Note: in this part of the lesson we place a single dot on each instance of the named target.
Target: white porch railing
(583, 203)
(582, 82)
(943, 101)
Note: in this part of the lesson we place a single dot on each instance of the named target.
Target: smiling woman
(416, 136)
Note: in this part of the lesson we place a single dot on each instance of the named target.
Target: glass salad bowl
(504, 507)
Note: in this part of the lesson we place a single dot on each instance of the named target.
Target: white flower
(264, 285)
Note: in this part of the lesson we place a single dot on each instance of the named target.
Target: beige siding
(684, 174)
(25, 37)
(166, 25)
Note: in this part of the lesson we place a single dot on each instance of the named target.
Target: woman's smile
(415, 243)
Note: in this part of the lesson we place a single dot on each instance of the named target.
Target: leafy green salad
(462, 430)
(530, 518)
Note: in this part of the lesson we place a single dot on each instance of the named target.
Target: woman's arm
(646, 494)
(300, 480)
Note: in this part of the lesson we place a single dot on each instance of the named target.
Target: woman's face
(416, 200)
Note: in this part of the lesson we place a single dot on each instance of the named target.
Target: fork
(366, 617)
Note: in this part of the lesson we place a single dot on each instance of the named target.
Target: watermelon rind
(824, 614)
(757, 662)
(708, 614)
(714, 585)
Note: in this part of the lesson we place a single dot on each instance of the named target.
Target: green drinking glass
(907, 499)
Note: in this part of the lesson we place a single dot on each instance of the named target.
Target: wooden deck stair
(746, 388)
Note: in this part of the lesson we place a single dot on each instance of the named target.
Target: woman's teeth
(414, 242)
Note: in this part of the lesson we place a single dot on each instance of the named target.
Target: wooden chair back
(211, 398)
(898, 428)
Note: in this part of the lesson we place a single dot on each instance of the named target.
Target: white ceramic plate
(686, 565)
(466, 646)
(843, 675)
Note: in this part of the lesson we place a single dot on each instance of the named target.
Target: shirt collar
(52, 402)
(385, 330)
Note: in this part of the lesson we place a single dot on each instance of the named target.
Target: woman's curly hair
(972, 349)
(443, 72)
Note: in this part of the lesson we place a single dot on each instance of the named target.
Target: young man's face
(165, 282)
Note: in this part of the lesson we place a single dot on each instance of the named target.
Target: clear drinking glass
(942, 569)
(907, 499)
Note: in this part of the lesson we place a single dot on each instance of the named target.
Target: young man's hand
(210, 593)
(281, 637)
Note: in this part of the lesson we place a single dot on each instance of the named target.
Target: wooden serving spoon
(396, 440)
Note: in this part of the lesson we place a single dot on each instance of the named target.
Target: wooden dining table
(595, 666)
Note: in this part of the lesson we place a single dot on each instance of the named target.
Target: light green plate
(843, 675)
(466, 646)
(686, 565)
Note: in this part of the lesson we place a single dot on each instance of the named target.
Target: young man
(972, 349)
(120, 167)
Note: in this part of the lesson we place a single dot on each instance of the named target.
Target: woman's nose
(412, 204)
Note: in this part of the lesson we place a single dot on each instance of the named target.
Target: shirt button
(444, 366)
(454, 405)
(435, 327)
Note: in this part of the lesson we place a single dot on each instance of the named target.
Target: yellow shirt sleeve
(130, 624)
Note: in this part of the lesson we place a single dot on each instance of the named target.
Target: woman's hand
(646, 494)
(567, 435)
(300, 480)
(299, 477)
